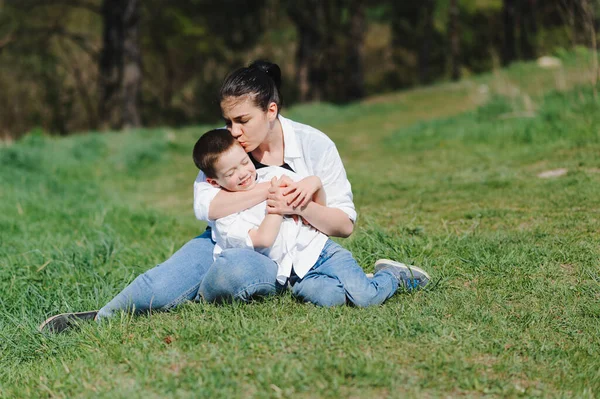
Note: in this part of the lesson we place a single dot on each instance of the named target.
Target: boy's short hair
(209, 147)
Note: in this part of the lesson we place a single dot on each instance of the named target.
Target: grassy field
(446, 177)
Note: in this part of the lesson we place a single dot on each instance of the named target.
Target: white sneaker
(411, 277)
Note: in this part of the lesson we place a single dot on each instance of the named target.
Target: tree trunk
(426, 33)
(120, 65)
(355, 87)
(329, 63)
(527, 29)
(305, 54)
(454, 40)
(588, 16)
(508, 17)
(308, 19)
(132, 59)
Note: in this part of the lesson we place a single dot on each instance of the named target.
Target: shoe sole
(393, 262)
(52, 324)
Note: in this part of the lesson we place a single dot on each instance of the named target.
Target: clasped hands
(287, 197)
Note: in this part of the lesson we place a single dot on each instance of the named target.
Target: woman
(250, 101)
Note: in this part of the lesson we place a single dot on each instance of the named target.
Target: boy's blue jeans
(243, 274)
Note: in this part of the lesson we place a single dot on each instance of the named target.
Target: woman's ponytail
(261, 80)
(270, 69)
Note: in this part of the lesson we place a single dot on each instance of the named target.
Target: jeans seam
(181, 298)
(238, 296)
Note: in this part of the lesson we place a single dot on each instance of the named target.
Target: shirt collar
(290, 149)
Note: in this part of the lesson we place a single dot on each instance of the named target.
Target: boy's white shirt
(309, 152)
(296, 244)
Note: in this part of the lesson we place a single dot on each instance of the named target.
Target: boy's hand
(299, 194)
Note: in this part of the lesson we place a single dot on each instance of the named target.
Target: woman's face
(249, 124)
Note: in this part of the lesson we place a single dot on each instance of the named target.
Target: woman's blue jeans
(243, 274)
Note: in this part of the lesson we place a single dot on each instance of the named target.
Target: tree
(120, 65)
(48, 58)
(520, 29)
(426, 32)
(527, 29)
(509, 51)
(310, 43)
(329, 57)
(454, 39)
(189, 46)
(418, 48)
(354, 45)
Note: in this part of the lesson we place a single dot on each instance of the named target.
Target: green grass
(444, 177)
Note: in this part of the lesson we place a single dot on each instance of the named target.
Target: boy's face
(235, 171)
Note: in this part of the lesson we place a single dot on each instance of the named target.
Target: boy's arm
(265, 235)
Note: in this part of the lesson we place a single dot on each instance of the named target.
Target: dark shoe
(411, 277)
(64, 321)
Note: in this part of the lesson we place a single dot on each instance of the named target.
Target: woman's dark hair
(209, 148)
(262, 80)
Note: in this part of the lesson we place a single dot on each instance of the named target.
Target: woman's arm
(299, 193)
(320, 197)
(226, 203)
(334, 219)
(329, 221)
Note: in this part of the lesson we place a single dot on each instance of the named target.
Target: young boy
(293, 245)
(286, 241)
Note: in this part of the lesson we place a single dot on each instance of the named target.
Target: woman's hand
(330, 221)
(285, 181)
(276, 202)
(299, 194)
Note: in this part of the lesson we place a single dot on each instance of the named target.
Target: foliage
(48, 63)
(49, 51)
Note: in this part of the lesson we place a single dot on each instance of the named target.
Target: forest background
(86, 65)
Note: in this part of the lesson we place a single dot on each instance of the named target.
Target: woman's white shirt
(309, 152)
